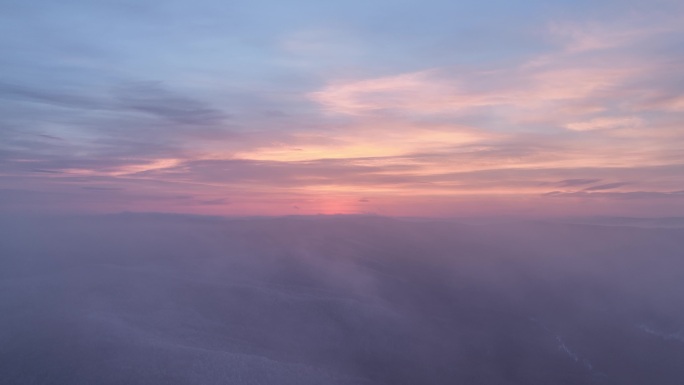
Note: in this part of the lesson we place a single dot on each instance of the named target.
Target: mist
(180, 299)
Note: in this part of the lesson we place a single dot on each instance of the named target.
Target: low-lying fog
(163, 299)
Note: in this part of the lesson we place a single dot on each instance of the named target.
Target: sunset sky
(399, 108)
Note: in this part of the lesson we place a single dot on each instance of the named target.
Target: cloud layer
(178, 109)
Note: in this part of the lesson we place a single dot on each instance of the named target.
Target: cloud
(576, 182)
(101, 188)
(152, 98)
(411, 92)
(533, 88)
(490, 108)
(185, 291)
(46, 171)
(51, 97)
(591, 36)
(606, 123)
(608, 186)
(628, 195)
(212, 202)
(51, 137)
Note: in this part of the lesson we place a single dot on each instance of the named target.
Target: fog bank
(166, 299)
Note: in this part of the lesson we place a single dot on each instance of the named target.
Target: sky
(399, 108)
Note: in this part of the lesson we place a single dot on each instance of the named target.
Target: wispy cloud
(607, 186)
(328, 115)
(151, 98)
(576, 182)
